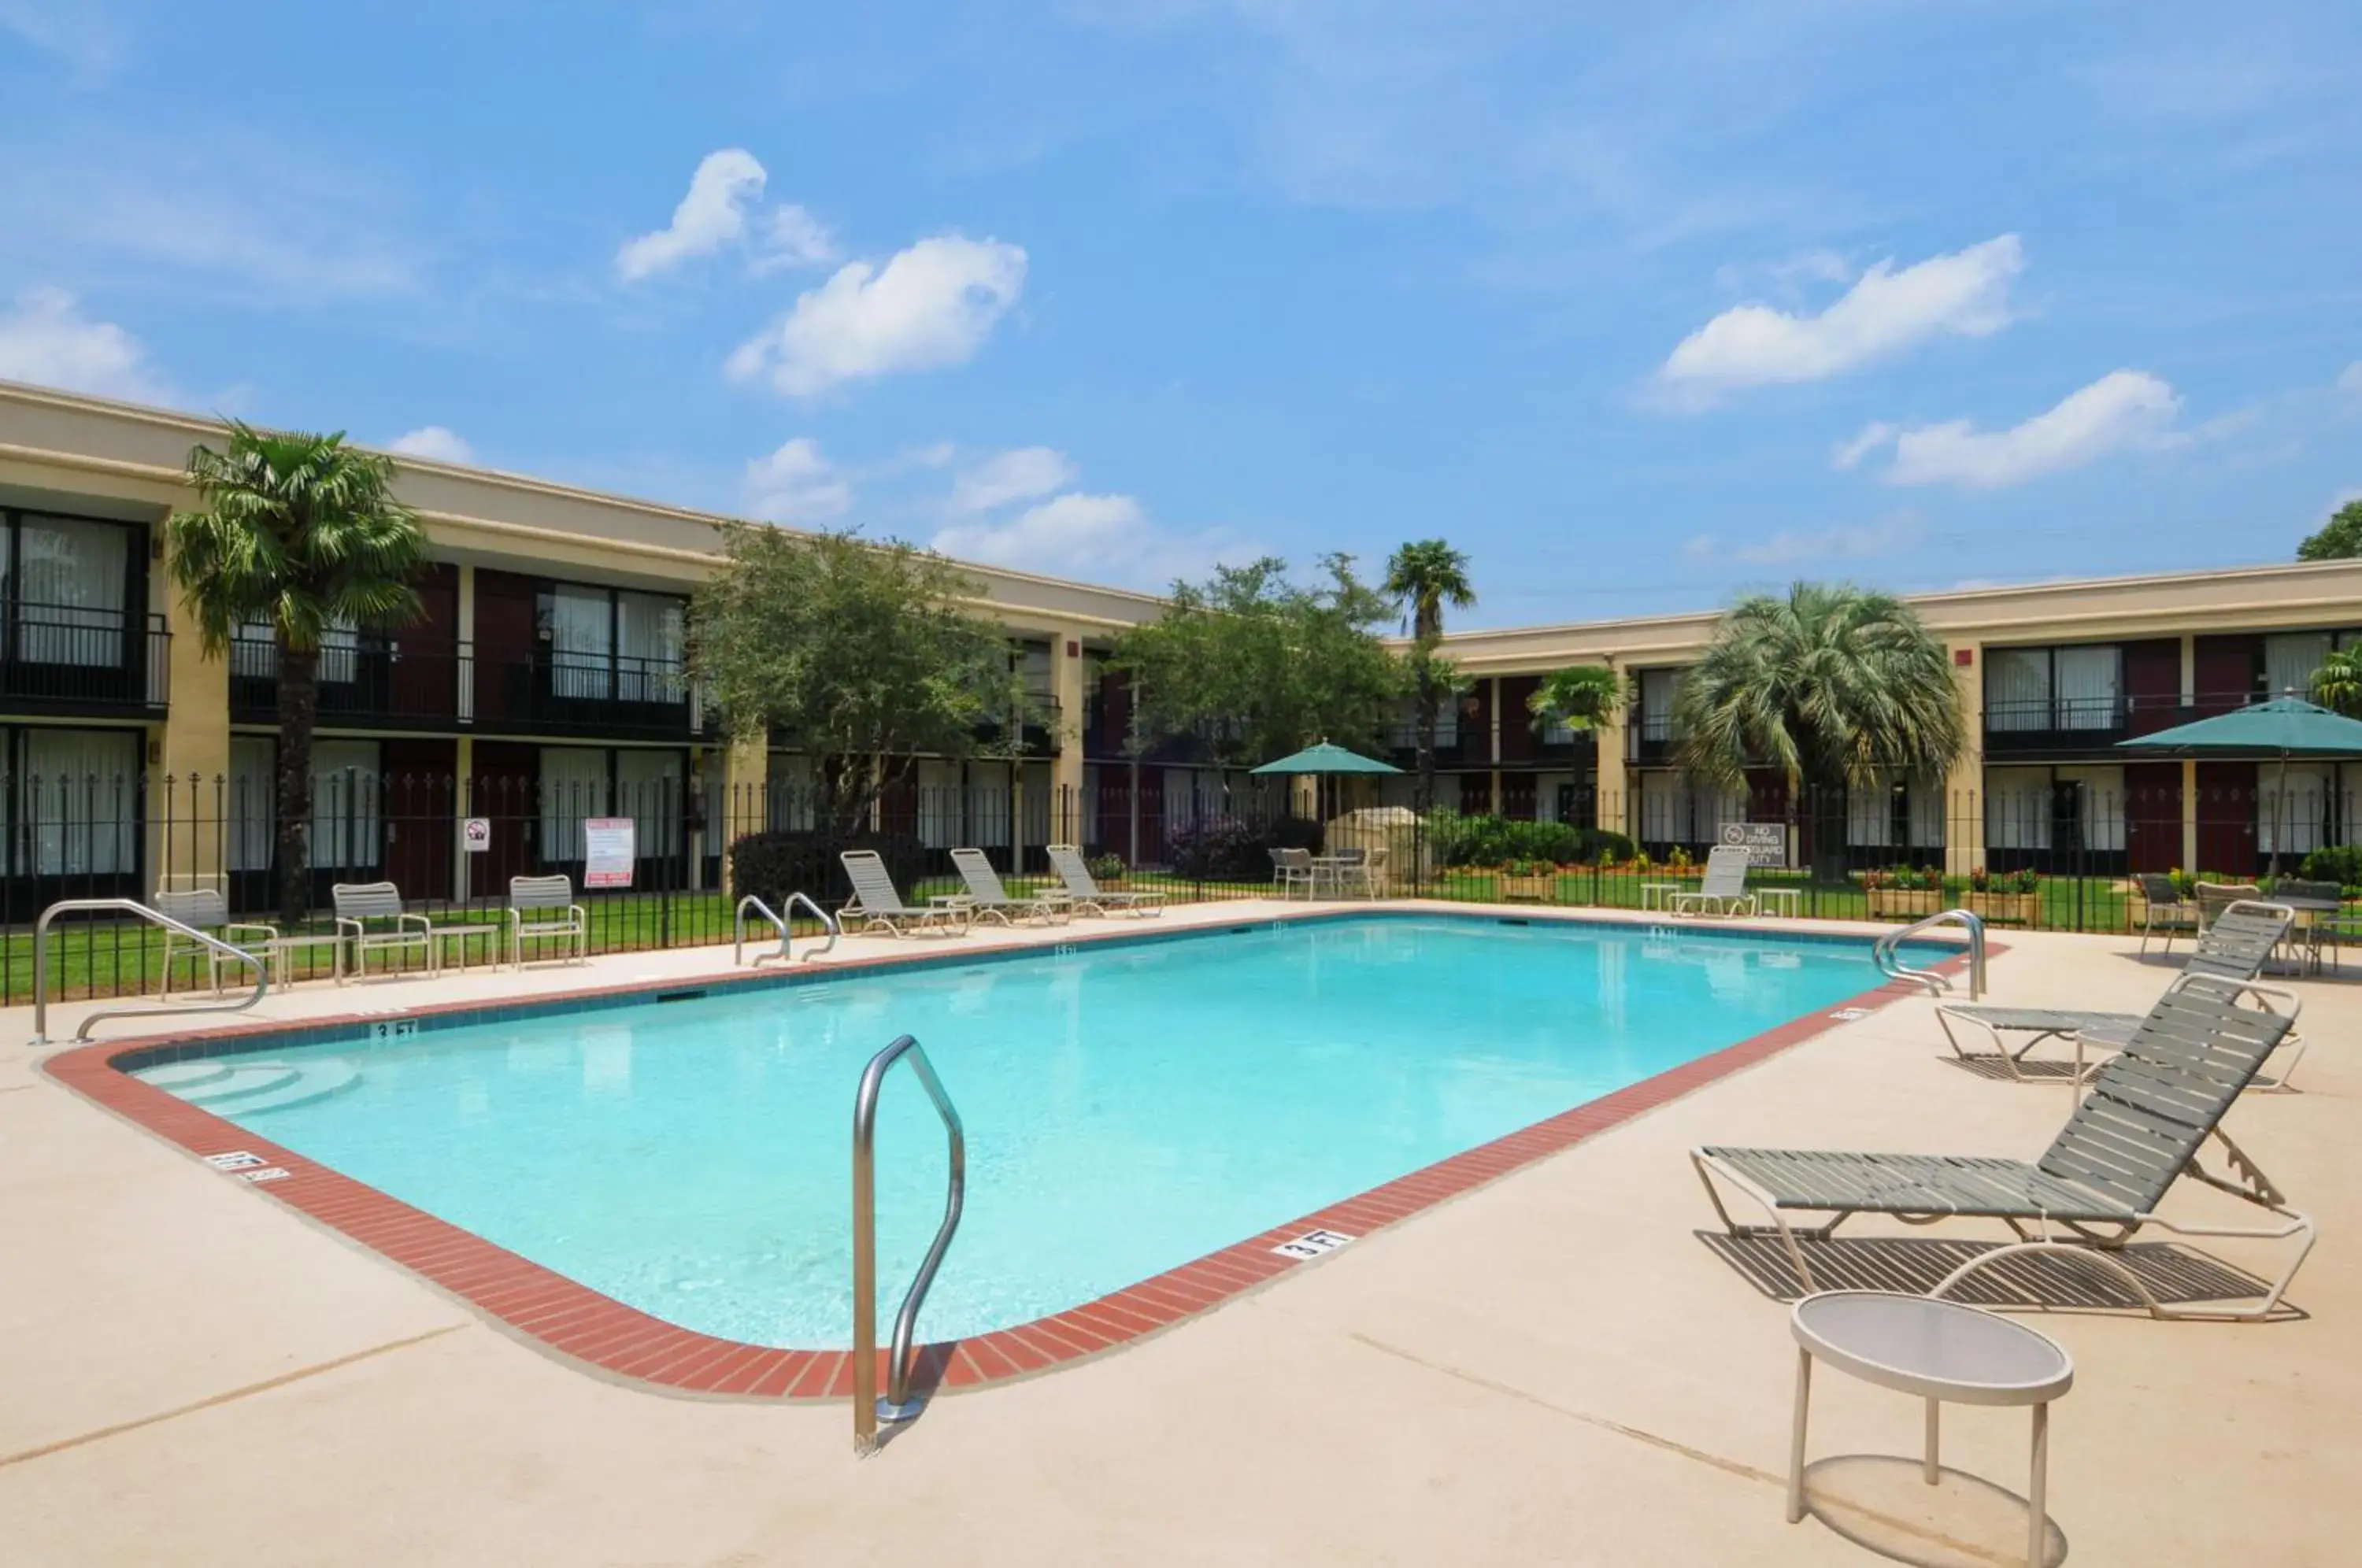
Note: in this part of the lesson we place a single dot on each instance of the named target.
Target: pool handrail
(154, 917)
(738, 942)
(1883, 954)
(900, 1404)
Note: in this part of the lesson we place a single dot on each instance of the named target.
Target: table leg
(2037, 1524)
(1797, 1435)
(1929, 1468)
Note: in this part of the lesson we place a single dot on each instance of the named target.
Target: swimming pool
(1129, 1107)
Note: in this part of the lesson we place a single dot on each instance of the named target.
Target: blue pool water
(1127, 1108)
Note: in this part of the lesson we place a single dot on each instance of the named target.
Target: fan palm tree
(1832, 684)
(1583, 697)
(1423, 577)
(2338, 682)
(300, 533)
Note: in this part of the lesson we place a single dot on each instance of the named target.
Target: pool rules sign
(606, 852)
(476, 834)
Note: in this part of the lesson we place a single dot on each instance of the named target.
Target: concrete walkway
(1552, 1369)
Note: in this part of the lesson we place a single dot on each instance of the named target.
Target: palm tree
(2338, 682)
(1424, 576)
(1583, 697)
(301, 533)
(1833, 685)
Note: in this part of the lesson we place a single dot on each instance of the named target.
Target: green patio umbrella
(2287, 726)
(1327, 758)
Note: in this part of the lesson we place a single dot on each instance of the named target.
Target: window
(81, 800)
(69, 583)
(573, 786)
(2017, 808)
(344, 811)
(649, 785)
(2089, 681)
(1658, 690)
(2017, 689)
(580, 626)
(2299, 821)
(650, 640)
(2290, 659)
(252, 806)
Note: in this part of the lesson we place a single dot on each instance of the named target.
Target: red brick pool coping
(577, 1322)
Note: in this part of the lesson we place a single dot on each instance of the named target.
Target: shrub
(772, 865)
(1231, 849)
(1455, 840)
(2338, 862)
(2023, 880)
(1906, 878)
(1105, 867)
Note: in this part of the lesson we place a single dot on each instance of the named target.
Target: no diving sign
(476, 834)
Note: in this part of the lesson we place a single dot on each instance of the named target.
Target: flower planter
(1903, 903)
(1512, 889)
(2006, 909)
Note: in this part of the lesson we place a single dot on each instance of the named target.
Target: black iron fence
(659, 859)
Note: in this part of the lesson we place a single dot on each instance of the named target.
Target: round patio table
(1939, 1351)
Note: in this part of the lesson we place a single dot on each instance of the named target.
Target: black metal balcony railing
(1451, 745)
(2023, 725)
(1649, 738)
(401, 681)
(65, 660)
(583, 693)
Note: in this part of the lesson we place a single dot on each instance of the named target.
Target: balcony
(1043, 728)
(2066, 726)
(66, 660)
(1452, 747)
(571, 693)
(403, 682)
(1649, 738)
(370, 681)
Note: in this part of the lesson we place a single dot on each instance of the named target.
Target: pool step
(236, 1087)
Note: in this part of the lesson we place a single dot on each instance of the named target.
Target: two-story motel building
(550, 661)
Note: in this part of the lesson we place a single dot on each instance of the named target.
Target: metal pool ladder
(154, 917)
(738, 944)
(1884, 952)
(900, 1404)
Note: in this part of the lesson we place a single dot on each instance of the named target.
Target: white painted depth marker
(235, 1160)
(267, 1173)
(1312, 1244)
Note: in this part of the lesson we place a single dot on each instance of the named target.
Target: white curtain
(581, 642)
(344, 834)
(650, 641)
(939, 805)
(650, 785)
(1658, 688)
(254, 651)
(2290, 660)
(2089, 680)
(1928, 824)
(340, 654)
(2017, 689)
(573, 786)
(1869, 814)
(69, 588)
(2017, 809)
(2103, 807)
(2301, 822)
(252, 805)
(82, 794)
(1664, 807)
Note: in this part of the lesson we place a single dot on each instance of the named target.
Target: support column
(1609, 781)
(1494, 709)
(1066, 763)
(191, 757)
(1964, 787)
(463, 797)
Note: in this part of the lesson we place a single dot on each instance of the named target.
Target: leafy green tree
(2338, 682)
(301, 534)
(2338, 539)
(1256, 665)
(862, 654)
(1833, 684)
(1423, 578)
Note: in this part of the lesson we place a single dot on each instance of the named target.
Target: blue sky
(1638, 305)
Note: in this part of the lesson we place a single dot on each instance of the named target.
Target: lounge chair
(1067, 861)
(541, 908)
(986, 895)
(2213, 898)
(1724, 888)
(2165, 911)
(1291, 869)
(2232, 948)
(2150, 1110)
(878, 906)
(207, 911)
(370, 919)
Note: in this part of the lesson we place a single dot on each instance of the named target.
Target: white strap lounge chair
(2150, 1110)
(988, 896)
(2233, 949)
(1067, 861)
(879, 907)
(207, 911)
(370, 919)
(542, 910)
(1724, 890)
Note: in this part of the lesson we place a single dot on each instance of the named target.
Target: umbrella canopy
(1327, 758)
(2284, 726)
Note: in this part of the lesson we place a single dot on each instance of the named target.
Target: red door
(505, 610)
(419, 805)
(505, 791)
(2226, 819)
(2153, 816)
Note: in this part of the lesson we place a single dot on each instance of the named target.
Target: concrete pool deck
(1553, 1368)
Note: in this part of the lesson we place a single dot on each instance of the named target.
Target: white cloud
(1101, 538)
(2349, 380)
(929, 306)
(1886, 312)
(2124, 409)
(84, 36)
(1019, 474)
(435, 442)
(721, 195)
(1850, 454)
(46, 339)
(797, 484)
(1881, 536)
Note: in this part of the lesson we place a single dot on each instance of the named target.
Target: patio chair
(2231, 950)
(2150, 1110)
(1291, 869)
(2213, 898)
(1724, 888)
(2165, 911)
(986, 895)
(207, 911)
(370, 919)
(541, 908)
(1067, 861)
(878, 906)
(1366, 875)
